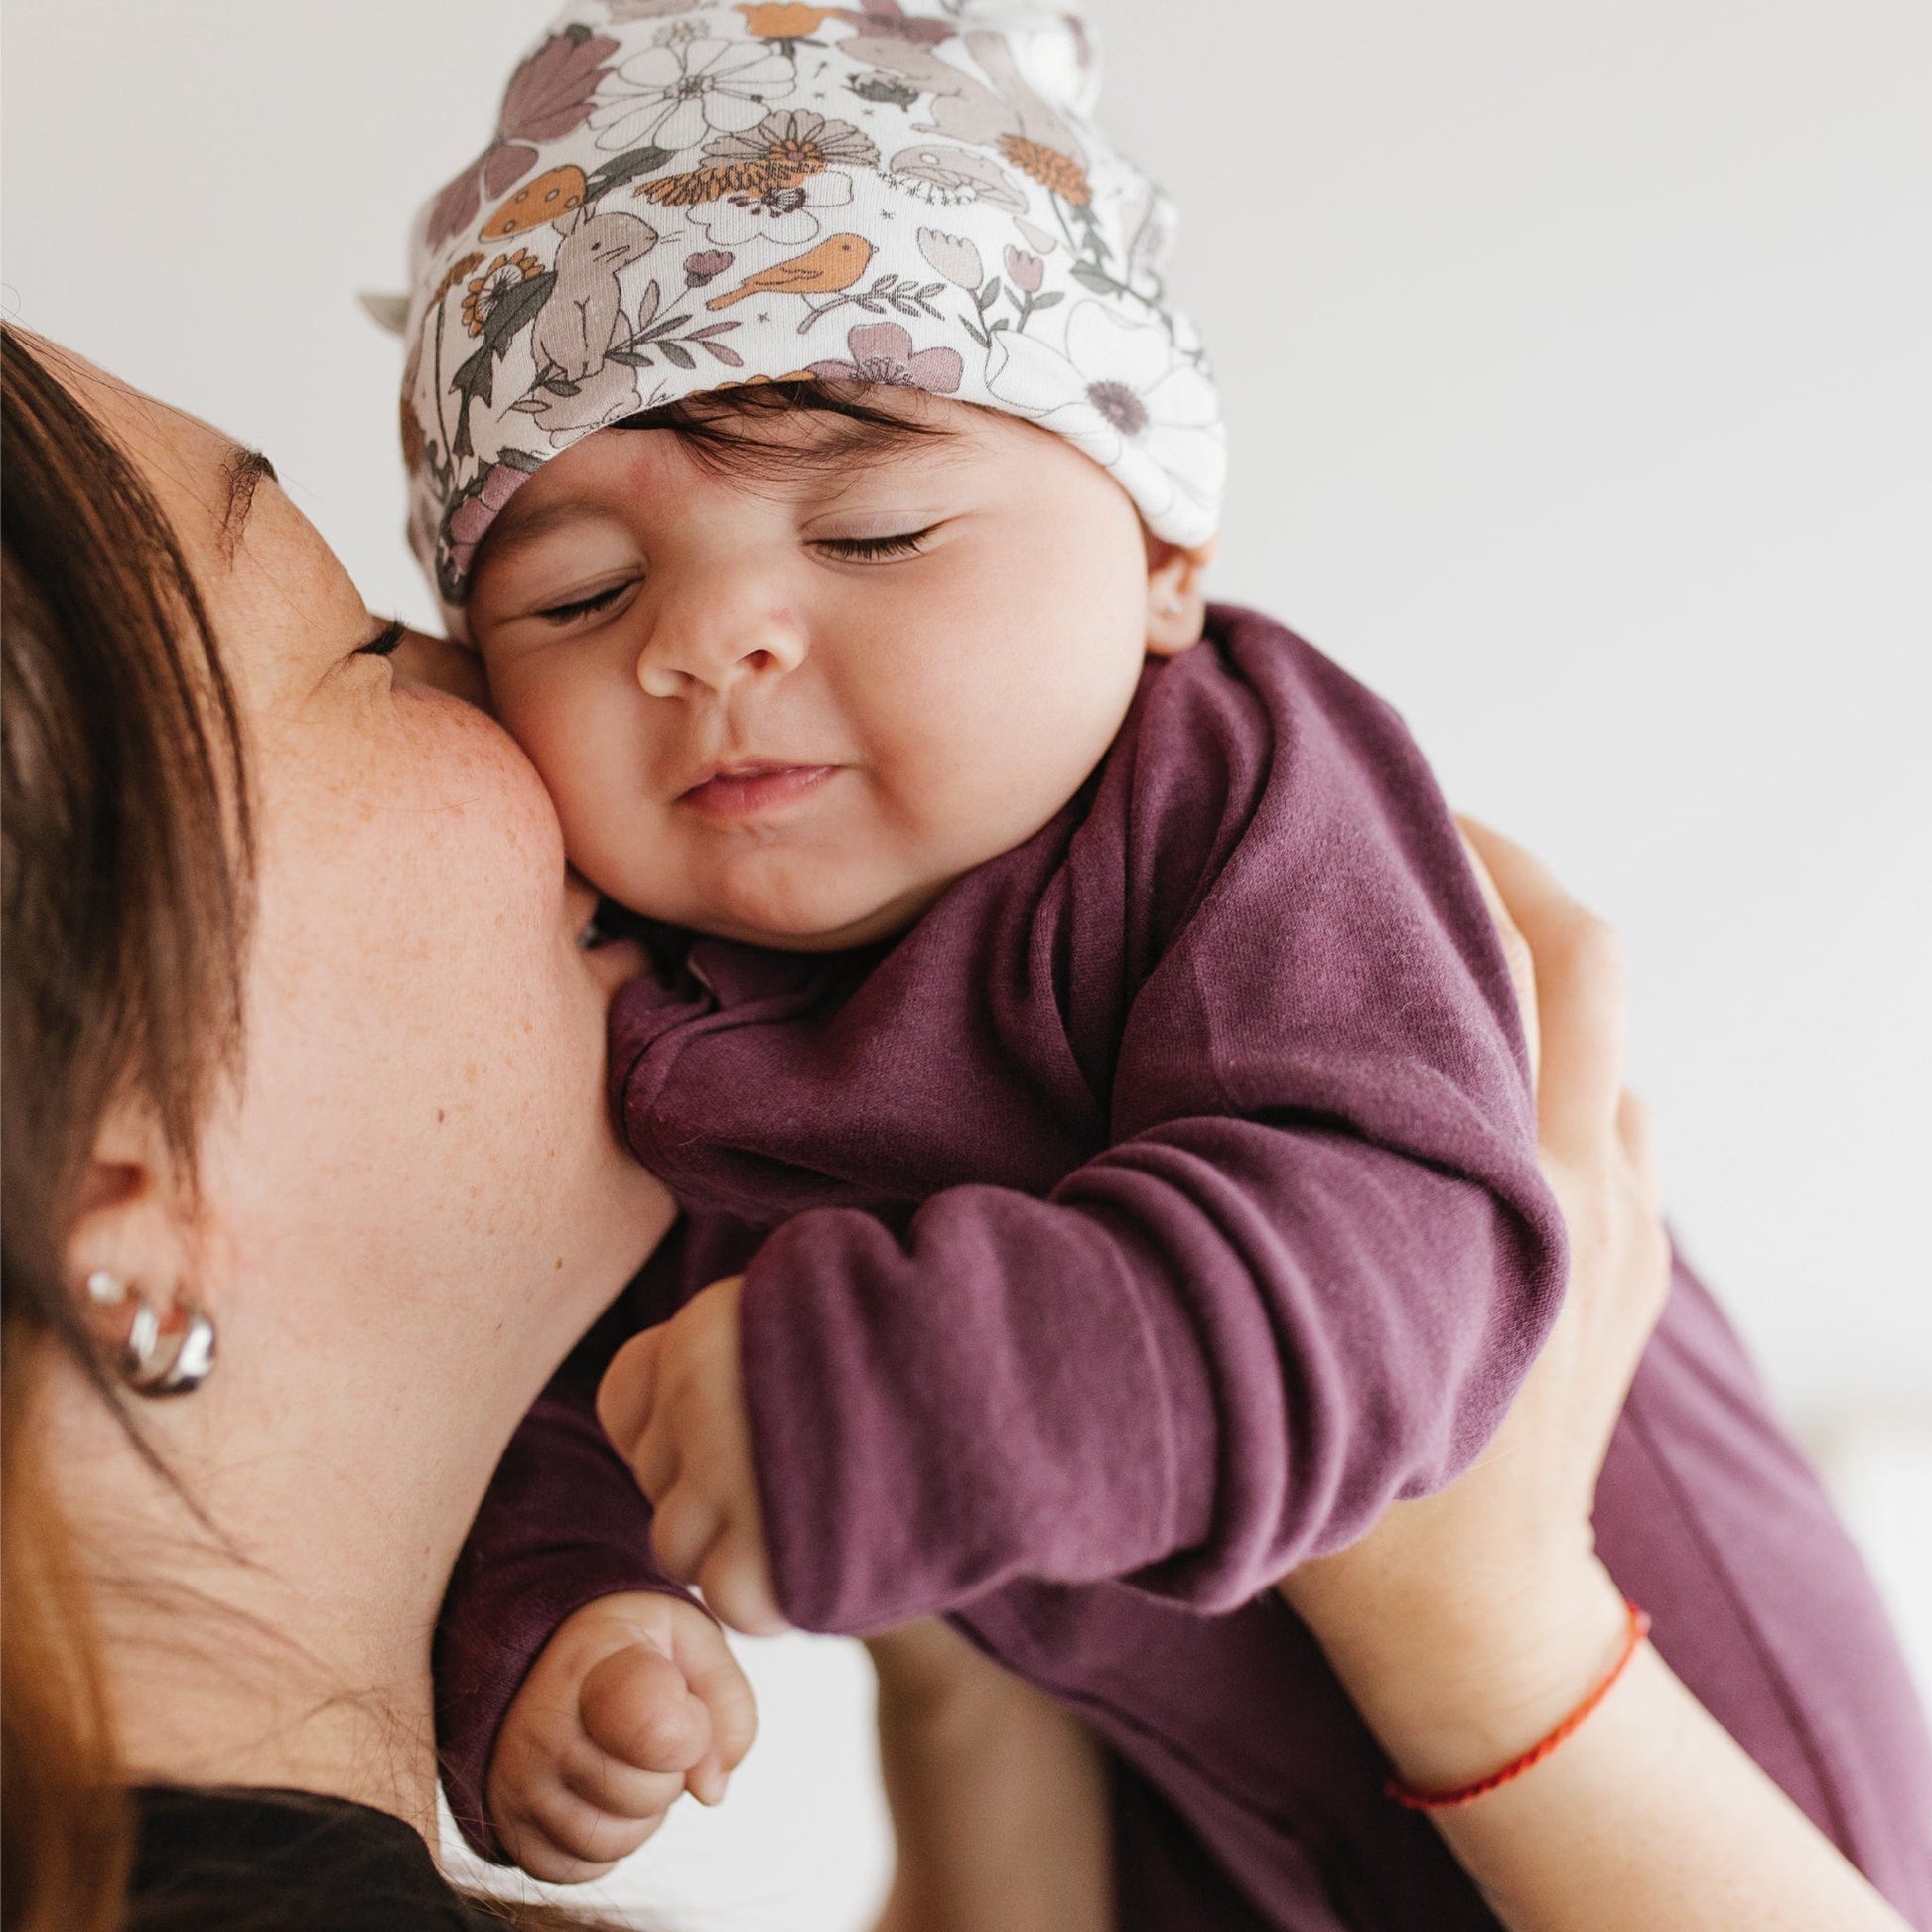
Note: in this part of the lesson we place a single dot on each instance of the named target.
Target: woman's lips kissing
(756, 790)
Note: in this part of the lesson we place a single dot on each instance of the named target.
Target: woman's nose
(716, 654)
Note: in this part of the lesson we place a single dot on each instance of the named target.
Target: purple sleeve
(1304, 1278)
(562, 1524)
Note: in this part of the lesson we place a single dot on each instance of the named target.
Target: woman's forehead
(282, 608)
(204, 479)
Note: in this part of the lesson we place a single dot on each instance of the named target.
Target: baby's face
(791, 709)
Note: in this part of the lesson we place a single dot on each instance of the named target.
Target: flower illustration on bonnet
(471, 520)
(462, 266)
(764, 183)
(495, 282)
(1124, 394)
(548, 96)
(882, 352)
(1060, 173)
(673, 96)
(706, 266)
(782, 150)
(1025, 271)
(954, 256)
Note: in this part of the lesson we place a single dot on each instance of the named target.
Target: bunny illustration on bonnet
(681, 198)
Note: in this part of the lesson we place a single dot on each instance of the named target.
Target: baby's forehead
(807, 455)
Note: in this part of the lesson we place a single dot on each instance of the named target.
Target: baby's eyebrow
(518, 529)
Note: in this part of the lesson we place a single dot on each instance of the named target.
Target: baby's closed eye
(572, 610)
(899, 543)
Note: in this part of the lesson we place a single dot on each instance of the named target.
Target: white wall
(1578, 363)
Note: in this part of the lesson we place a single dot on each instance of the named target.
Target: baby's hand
(673, 1404)
(634, 1700)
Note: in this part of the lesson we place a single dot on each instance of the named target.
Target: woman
(273, 913)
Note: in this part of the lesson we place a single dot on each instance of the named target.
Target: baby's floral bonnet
(680, 198)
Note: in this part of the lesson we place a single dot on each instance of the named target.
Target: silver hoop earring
(160, 1357)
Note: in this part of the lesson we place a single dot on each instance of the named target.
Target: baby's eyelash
(582, 607)
(384, 642)
(905, 543)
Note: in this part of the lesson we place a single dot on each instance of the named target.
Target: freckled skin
(390, 1295)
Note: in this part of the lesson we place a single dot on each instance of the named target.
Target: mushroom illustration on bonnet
(552, 196)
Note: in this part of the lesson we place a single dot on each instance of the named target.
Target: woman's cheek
(491, 795)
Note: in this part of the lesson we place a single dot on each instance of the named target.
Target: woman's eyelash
(384, 643)
(582, 607)
(904, 544)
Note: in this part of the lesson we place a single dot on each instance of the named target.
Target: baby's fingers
(628, 1392)
(685, 1525)
(716, 1680)
(627, 1395)
(566, 1840)
(637, 1708)
(736, 1580)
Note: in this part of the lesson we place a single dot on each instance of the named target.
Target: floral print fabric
(679, 198)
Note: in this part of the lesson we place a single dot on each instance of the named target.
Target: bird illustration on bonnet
(909, 195)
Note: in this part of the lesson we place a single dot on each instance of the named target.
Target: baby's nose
(686, 659)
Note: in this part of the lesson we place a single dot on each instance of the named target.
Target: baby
(1077, 1037)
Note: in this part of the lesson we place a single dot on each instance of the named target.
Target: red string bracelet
(1636, 1627)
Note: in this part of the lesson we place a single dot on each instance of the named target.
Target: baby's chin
(789, 916)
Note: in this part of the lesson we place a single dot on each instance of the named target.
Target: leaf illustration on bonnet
(508, 314)
(622, 168)
(548, 96)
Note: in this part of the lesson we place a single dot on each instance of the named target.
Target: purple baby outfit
(1143, 1221)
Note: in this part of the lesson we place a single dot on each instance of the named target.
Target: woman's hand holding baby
(634, 1701)
(1493, 1584)
(672, 1401)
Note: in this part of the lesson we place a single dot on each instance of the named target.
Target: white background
(1579, 365)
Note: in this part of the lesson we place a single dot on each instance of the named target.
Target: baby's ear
(1176, 595)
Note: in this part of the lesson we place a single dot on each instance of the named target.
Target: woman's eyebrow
(246, 468)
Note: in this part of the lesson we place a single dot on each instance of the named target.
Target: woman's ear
(136, 1235)
(1176, 595)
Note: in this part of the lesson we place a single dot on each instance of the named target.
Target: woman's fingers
(1516, 951)
(1580, 1000)
(1639, 1143)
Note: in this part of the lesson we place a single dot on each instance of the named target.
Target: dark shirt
(1141, 1222)
(262, 1861)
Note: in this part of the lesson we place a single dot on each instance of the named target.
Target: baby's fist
(672, 1401)
(634, 1700)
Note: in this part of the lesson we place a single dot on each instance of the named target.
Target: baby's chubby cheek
(587, 765)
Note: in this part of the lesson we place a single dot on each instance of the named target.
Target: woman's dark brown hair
(126, 883)
(125, 831)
